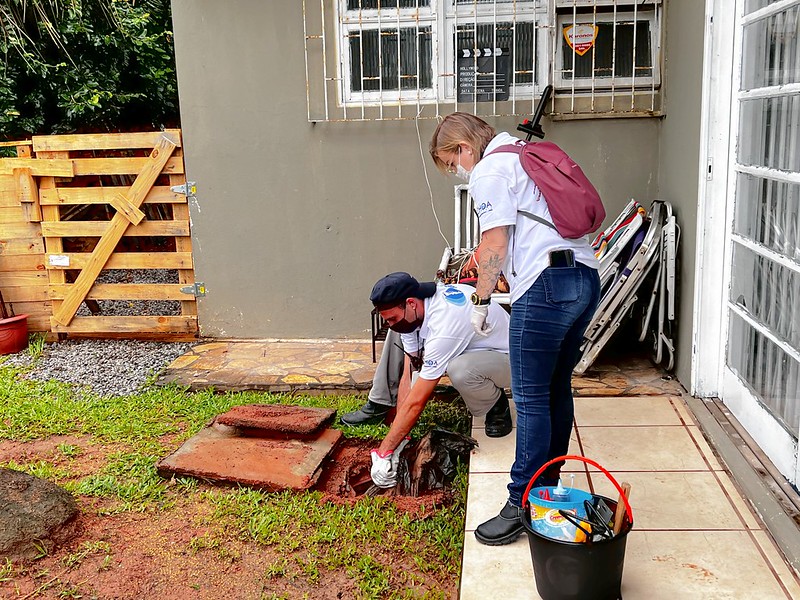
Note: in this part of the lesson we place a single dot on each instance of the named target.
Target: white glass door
(760, 374)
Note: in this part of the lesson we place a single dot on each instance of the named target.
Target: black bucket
(578, 570)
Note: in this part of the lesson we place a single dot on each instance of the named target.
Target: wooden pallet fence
(113, 239)
(23, 277)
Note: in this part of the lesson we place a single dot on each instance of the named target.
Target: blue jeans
(546, 331)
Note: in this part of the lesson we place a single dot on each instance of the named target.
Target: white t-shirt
(446, 331)
(500, 187)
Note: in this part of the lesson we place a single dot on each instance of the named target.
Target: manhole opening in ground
(345, 476)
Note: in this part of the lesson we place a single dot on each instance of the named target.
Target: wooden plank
(134, 325)
(148, 174)
(98, 228)
(31, 293)
(8, 191)
(158, 194)
(22, 262)
(11, 214)
(21, 246)
(28, 195)
(184, 244)
(21, 229)
(51, 214)
(124, 207)
(123, 260)
(121, 166)
(104, 141)
(39, 323)
(22, 279)
(125, 291)
(38, 166)
(31, 308)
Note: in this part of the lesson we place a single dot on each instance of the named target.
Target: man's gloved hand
(479, 324)
(384, 465)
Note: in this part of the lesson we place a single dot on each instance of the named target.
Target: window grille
(403, 59)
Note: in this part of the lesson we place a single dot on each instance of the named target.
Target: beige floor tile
(493, 455)
(670, 500)
(496, 455)
(487, 494)
(647, 410)
(696, 565)
(497, 571)
(683, 410)
(742, 505)
(775, 558)
(701, 442)
(642, 448)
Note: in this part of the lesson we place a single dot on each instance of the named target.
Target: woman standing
(555, 289)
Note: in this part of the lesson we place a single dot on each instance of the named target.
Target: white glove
(479, 324)
(384, 466)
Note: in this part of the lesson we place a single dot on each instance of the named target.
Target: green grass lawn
(309, 538)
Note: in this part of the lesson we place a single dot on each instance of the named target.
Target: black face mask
(405, 326)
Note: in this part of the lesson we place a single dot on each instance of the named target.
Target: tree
(86, 65)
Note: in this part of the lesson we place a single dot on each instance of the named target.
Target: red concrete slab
(275, 418)
(219, 453)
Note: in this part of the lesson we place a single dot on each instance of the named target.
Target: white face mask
(461, 172)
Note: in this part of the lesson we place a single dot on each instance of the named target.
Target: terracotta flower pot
(13, 334)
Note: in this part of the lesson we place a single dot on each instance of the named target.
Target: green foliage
(97, 65)
(36, 344)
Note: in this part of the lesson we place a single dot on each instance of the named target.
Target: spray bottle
(560, 493)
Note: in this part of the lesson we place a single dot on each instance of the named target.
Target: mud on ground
(180, 553)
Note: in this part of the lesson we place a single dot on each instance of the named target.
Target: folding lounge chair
(609, 244)
(664, 293)
(619, 299)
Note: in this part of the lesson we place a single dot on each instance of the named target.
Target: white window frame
(363, 20)
(645, 13)
(442, 16)
(534, 11)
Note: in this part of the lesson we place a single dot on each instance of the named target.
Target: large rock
(33, 512)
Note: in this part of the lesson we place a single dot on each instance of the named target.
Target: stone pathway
(341, 366)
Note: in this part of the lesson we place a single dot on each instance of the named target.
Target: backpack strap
(516, 148)
(537, 218)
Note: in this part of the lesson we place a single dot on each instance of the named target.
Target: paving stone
(219, 453)
(277, 418)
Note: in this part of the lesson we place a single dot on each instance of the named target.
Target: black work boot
(498, 419)
(369, 413)
(503, 529)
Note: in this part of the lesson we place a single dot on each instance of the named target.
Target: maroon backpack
(573, 202)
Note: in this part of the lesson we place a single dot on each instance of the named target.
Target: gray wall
(679, 156)
(295, 221)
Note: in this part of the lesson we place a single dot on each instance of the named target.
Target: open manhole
(277, 447)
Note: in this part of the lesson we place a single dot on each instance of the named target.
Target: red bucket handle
(582, 459)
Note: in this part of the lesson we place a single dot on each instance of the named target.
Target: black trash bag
(431, 463)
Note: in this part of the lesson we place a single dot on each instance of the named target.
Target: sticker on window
(580, 37)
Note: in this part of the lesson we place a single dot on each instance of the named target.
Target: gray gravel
(108, 367)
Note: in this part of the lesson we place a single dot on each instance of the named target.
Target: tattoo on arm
(493, 250)
(488, 273)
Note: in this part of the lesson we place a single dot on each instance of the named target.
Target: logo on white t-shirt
(483, 207)
(454, 296)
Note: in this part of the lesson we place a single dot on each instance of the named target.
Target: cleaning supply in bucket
(547, 504)
(592, 569)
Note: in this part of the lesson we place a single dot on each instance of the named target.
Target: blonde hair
(456, 129)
